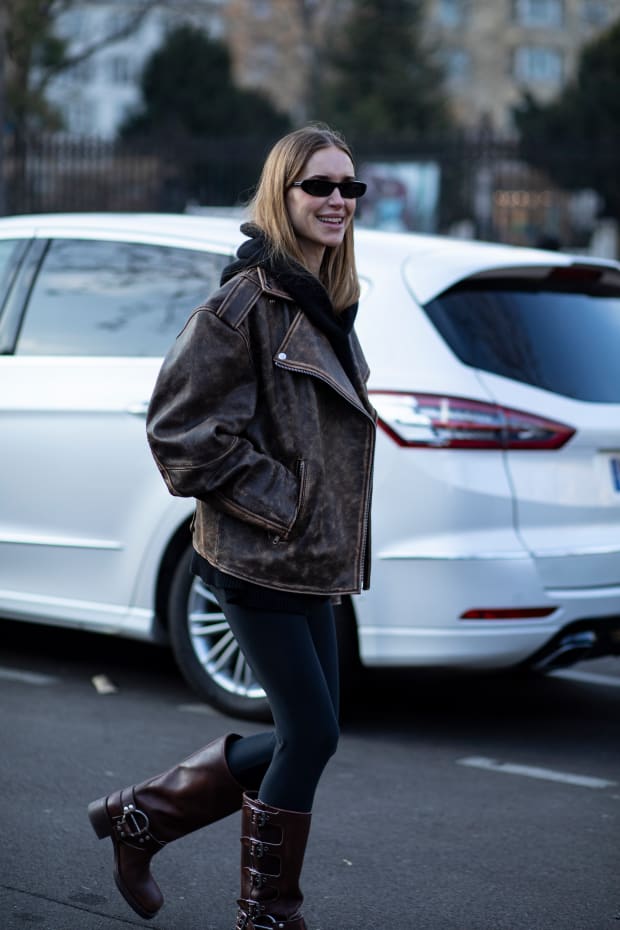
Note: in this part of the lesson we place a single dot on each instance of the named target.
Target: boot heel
(98, 816)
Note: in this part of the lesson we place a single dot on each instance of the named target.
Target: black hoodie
(305, 289)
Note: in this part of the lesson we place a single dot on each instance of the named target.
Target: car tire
(206, 651)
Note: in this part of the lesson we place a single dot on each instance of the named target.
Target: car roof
(161, 227)
(431, 264)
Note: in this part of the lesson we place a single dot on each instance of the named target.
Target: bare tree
(32, 54)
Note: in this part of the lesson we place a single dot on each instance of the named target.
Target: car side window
(8, 251)
(108, 298)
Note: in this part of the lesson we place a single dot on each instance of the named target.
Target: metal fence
(475, 187)
(55, 174)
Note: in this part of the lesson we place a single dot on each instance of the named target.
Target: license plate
(615, 472)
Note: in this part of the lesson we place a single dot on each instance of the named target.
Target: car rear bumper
(414, 617)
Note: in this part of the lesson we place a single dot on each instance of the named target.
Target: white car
(496, 516)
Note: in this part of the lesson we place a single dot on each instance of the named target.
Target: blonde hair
(283, 165)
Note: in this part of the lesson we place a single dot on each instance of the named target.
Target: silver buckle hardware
(258, 879)
(133, 823)
(254, 912)
(260, 818)
(258, 849)
(255, 909)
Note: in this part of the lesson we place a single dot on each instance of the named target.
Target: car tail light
(434, 421)
(507, 613)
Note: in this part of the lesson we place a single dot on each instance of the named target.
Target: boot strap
(252, 916)
(132, 827)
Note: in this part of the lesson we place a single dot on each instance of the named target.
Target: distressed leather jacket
(253, 415)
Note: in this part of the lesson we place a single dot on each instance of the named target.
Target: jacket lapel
(306, 349)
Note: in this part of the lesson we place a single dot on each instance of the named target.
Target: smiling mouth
(331, 220)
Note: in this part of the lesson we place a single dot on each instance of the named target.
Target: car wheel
(206, 650)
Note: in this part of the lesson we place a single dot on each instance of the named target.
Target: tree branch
(72, 60)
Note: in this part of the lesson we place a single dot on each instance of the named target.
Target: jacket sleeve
(204, 398)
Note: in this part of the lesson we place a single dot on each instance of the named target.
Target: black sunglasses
(320, 187)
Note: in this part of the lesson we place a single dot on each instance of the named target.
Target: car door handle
(138, 410)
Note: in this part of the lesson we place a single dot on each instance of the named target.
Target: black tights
(295, 658)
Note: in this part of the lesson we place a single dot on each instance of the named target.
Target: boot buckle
(133, 823)
(251, 911)
(258, 849)
(260, 818)
(254, 912)
(258, 879)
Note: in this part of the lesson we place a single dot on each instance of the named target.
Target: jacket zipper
(315, 374)
(362, 571)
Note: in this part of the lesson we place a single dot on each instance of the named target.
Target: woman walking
(260, 412)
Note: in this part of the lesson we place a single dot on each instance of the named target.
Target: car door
(80, 489)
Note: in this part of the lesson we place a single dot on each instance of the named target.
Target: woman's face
(321, 221)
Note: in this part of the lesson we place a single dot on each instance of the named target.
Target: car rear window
(111, 298)
(565, 339)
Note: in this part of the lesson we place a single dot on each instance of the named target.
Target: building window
(595, 12)
(82, 118)
(117, 21)
(544, 14)
(261, 9)
(84, 72)
(73, 24)
(457, 64)
(538, 64)
(452, 12)
(120, 70)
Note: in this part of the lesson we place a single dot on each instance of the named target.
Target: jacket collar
(269, 285)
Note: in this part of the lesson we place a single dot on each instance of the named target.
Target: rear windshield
(564, 340)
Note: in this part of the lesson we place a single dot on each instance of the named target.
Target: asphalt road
(452, 804)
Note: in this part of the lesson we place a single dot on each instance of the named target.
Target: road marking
(103, 685)
(530, 771)
(27, 678)
(587, 677)
(199, 709)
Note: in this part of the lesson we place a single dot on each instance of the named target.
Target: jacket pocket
(301, 471)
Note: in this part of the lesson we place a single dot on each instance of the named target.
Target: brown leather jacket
(253, 415)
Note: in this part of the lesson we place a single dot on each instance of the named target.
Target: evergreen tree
(381, 77)
(187, 90)
(576, 137)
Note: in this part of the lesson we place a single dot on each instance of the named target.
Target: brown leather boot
(273, 843)
(140, 820)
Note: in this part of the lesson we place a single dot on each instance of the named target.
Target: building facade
(277, 46)
(492, 51)
(495, 50)
(95, 96)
